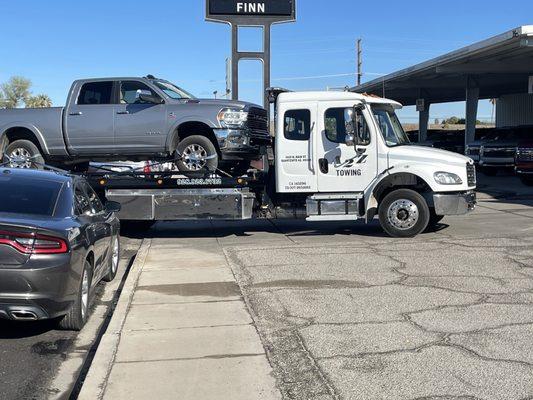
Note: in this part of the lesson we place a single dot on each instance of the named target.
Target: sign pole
(249, 13)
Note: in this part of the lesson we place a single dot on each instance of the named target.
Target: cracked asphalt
(347, 313)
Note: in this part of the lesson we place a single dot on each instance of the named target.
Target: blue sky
(53, 43)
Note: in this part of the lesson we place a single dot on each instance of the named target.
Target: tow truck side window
(335, 123)
(297, 125)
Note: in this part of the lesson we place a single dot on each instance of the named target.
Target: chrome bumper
(454, 204)
(240, 140)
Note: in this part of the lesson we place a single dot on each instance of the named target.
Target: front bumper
(501, 162)
(524, 168)
(241, 143)
(454, 203)
(42, 288)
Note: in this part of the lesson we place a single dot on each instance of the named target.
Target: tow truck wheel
(404, 213)
(196, 153)
(23, 154)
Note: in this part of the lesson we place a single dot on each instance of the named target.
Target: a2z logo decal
(347, 167)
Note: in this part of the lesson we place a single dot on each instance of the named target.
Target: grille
(524, 155)
(471, 175)
(499, 152)
(258, 121)
(473, 151)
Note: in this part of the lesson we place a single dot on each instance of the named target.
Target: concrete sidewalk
(182, 331)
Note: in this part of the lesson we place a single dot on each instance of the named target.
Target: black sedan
(57, 241)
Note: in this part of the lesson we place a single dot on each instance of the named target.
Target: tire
(113, 260)
(404, 213)
(24, 149)
(528, 181)
(78, 314)
(199, 146)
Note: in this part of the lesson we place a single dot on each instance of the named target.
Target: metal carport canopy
(497, 66)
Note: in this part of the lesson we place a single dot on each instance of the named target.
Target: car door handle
(76, 113)
(123, 112)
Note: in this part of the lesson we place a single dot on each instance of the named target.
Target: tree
(39, 101)
(15, 91)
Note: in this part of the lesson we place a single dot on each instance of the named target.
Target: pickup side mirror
(112, 206)
(147, 96)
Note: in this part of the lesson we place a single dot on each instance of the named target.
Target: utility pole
(359, 61)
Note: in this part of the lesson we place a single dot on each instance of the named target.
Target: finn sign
(250, 8)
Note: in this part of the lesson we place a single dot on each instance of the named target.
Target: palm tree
(39, 101)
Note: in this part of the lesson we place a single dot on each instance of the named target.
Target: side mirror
(350, 140)
(113, 207)
(146, 95)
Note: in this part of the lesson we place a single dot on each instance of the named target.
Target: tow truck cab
(338, 156)
(350, 154)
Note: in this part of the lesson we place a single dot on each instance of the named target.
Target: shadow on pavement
(17, 330)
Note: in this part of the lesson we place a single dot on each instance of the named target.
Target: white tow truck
(337, 156)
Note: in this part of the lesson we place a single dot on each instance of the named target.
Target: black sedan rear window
(28, 196)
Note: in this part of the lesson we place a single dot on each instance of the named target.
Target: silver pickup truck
(136, 119)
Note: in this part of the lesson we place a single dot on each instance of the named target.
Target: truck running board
(334, 206)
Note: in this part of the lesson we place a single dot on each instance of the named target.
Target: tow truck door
(295, 132)
(343, 168)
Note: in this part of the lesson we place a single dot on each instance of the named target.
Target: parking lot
(342, 310)
(345, 312)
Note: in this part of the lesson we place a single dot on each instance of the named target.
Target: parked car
(57, 241)
(499, 154)
(524, 161)
(445, 140)
(484, 135)
(138, 119)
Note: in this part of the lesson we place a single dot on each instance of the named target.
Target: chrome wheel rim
(115, 257)
(403, 214)
(20, 158)
(194, 157)
(84, 294)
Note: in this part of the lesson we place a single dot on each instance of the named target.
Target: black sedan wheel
(113, 260)
(79, 312)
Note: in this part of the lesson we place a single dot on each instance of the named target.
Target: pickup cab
(112, 119)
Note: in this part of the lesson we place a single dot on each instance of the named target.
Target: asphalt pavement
(38, 361)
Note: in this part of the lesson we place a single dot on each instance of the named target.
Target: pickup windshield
(173, 91)
(390, 126)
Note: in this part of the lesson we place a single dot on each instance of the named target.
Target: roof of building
(498, 65)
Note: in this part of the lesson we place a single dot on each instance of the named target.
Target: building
(497, 68)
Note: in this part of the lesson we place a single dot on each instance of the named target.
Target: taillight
(147, 168)
(31, 243)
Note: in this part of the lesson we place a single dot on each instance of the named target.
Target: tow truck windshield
(390, 126)
(173, 91)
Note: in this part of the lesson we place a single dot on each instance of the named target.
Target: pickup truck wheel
(404, 213)
(196, 153)
(23, 154)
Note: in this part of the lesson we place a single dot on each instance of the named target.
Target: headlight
(447, 178)
(233, 118)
